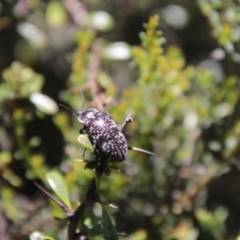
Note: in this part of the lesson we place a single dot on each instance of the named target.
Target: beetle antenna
(69, 109)
(140, 150)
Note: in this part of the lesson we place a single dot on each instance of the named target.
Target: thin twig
(97, 92)
(69, 212)
(93, 69)
(76, 10)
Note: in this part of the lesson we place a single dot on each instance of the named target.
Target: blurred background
(173, 65)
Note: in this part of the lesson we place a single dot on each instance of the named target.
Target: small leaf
(5, 92)
(44, 103)
(100, 20)
(58, 185)
(21, 80)
(117, 51)
(34, 141)
(55, 14)
(5, 158)
(8, 204)
(92, 231)
(34, 35)
(85, 142)
(36, 236)
(78, 160)
(39, 236)
(108, 227)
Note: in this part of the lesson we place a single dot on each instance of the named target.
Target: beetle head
(86, 114)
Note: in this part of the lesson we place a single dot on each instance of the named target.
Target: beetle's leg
(127, 120)
(82, 130)
(83, 152)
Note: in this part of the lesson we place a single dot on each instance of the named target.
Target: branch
(97, 92)
(90, 197)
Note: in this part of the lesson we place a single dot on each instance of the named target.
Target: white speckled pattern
(105, 133)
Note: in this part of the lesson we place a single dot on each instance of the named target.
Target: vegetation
(184, 112)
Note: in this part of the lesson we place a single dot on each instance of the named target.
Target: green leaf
(108, 227)
(44, 103)
(100, 20)
(117, 51)
(85, 142)
(91, 230)
(55, 14)
(8, 205)
(58, 185)
(5, 92)
(21, 80)
(36, 235)
(5, 158)
(78, 160)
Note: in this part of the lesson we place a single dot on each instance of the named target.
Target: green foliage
(108, 227)
(58, 185)
(224, 17)
(85, 142)
(182, 113)
(173, 104)
(20, 80)
(80, 57)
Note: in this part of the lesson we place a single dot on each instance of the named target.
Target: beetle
(105, 134)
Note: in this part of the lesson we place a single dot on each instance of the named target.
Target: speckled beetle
(105, 134)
